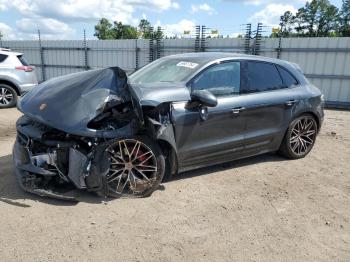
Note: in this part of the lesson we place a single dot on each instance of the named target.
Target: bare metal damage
(69, 123)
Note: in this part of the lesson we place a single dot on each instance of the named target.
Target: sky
(67, 19)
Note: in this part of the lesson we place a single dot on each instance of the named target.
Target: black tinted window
(262, 77)
(2, 58)
(288, 79)
(221, 80)
(23, 60)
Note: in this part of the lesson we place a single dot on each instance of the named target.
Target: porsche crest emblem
(42, 107)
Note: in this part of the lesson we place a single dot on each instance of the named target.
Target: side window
(2, 58)
(22, 59)
(288, 79)
(221, 80)
(262, 77)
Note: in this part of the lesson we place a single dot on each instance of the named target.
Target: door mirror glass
(204, 98)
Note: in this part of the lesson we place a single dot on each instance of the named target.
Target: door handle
(237, 110)
(290, 102)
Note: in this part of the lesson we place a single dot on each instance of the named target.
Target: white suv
(16, 77)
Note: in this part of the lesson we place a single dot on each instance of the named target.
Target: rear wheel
(136, 167)
(300, 137)
(8, 96)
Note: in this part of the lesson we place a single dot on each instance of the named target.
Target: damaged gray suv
(105, 132)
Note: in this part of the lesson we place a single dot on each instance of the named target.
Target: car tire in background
(8, 96)
(300, 137)
(137, 164)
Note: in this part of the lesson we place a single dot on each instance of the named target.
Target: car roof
(6, 51)
(206, 57)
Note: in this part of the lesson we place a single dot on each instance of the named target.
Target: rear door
(270, 94)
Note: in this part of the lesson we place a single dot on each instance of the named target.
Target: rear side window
(2, 58)
(262, 77)
(23, 60)
(288, 79)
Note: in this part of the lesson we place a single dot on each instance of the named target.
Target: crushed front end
(50, 162)
(67, 125)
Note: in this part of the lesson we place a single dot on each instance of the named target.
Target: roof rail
(5, 49)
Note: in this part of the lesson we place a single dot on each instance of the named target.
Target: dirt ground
(260, 209)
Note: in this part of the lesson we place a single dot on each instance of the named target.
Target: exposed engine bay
(95, 138)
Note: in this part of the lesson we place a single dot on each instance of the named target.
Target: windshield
(165, 70)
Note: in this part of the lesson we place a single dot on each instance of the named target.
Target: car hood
(70, 102)
(153, 94)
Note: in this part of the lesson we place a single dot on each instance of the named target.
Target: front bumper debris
(54, 164)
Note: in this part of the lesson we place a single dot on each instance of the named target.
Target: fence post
(203, 38)
(136, 56)
(257, 40)
(247, 37)
(41, 50)
(279, 49)
(197, 40)
(159, 43)
(85, 52)
(151, 46)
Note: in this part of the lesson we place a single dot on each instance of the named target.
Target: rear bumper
(26, 88)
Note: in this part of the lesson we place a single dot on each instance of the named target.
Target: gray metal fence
(325, 61)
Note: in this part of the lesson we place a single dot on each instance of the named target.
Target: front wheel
(136, 167)
(300, 137)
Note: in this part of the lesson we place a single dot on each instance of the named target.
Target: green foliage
(318, 18)
(106, 30)
(345, 18)
(121, 31)
(145, 29)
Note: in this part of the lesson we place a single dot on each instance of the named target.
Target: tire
(139, 177)
(8, 96)
(299, 138)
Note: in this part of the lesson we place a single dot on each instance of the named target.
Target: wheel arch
(310, 112)
(170, 154)
(9, 83)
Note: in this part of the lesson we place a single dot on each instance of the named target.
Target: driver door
(220, 136)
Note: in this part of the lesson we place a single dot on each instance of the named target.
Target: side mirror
(204, 98)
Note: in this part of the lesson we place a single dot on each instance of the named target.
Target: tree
(287, 21)
(121, 31)
(104, 30)
(307, 16)
(158, 34)
(345, 18)
(327, 18)
(145, 29)
(317, 18)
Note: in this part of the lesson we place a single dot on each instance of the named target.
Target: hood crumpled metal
(70, 102)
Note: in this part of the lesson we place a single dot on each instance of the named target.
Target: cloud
(54, 16)
(270, 15)
(203, 7)
(177, 29)
(175, 5)
(265, 2)
(46, 26)
(7, 31)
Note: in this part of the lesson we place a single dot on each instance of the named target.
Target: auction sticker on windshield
(187, 64)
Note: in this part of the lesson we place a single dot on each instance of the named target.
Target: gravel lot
(259, 209)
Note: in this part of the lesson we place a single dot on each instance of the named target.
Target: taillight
(25, 68)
